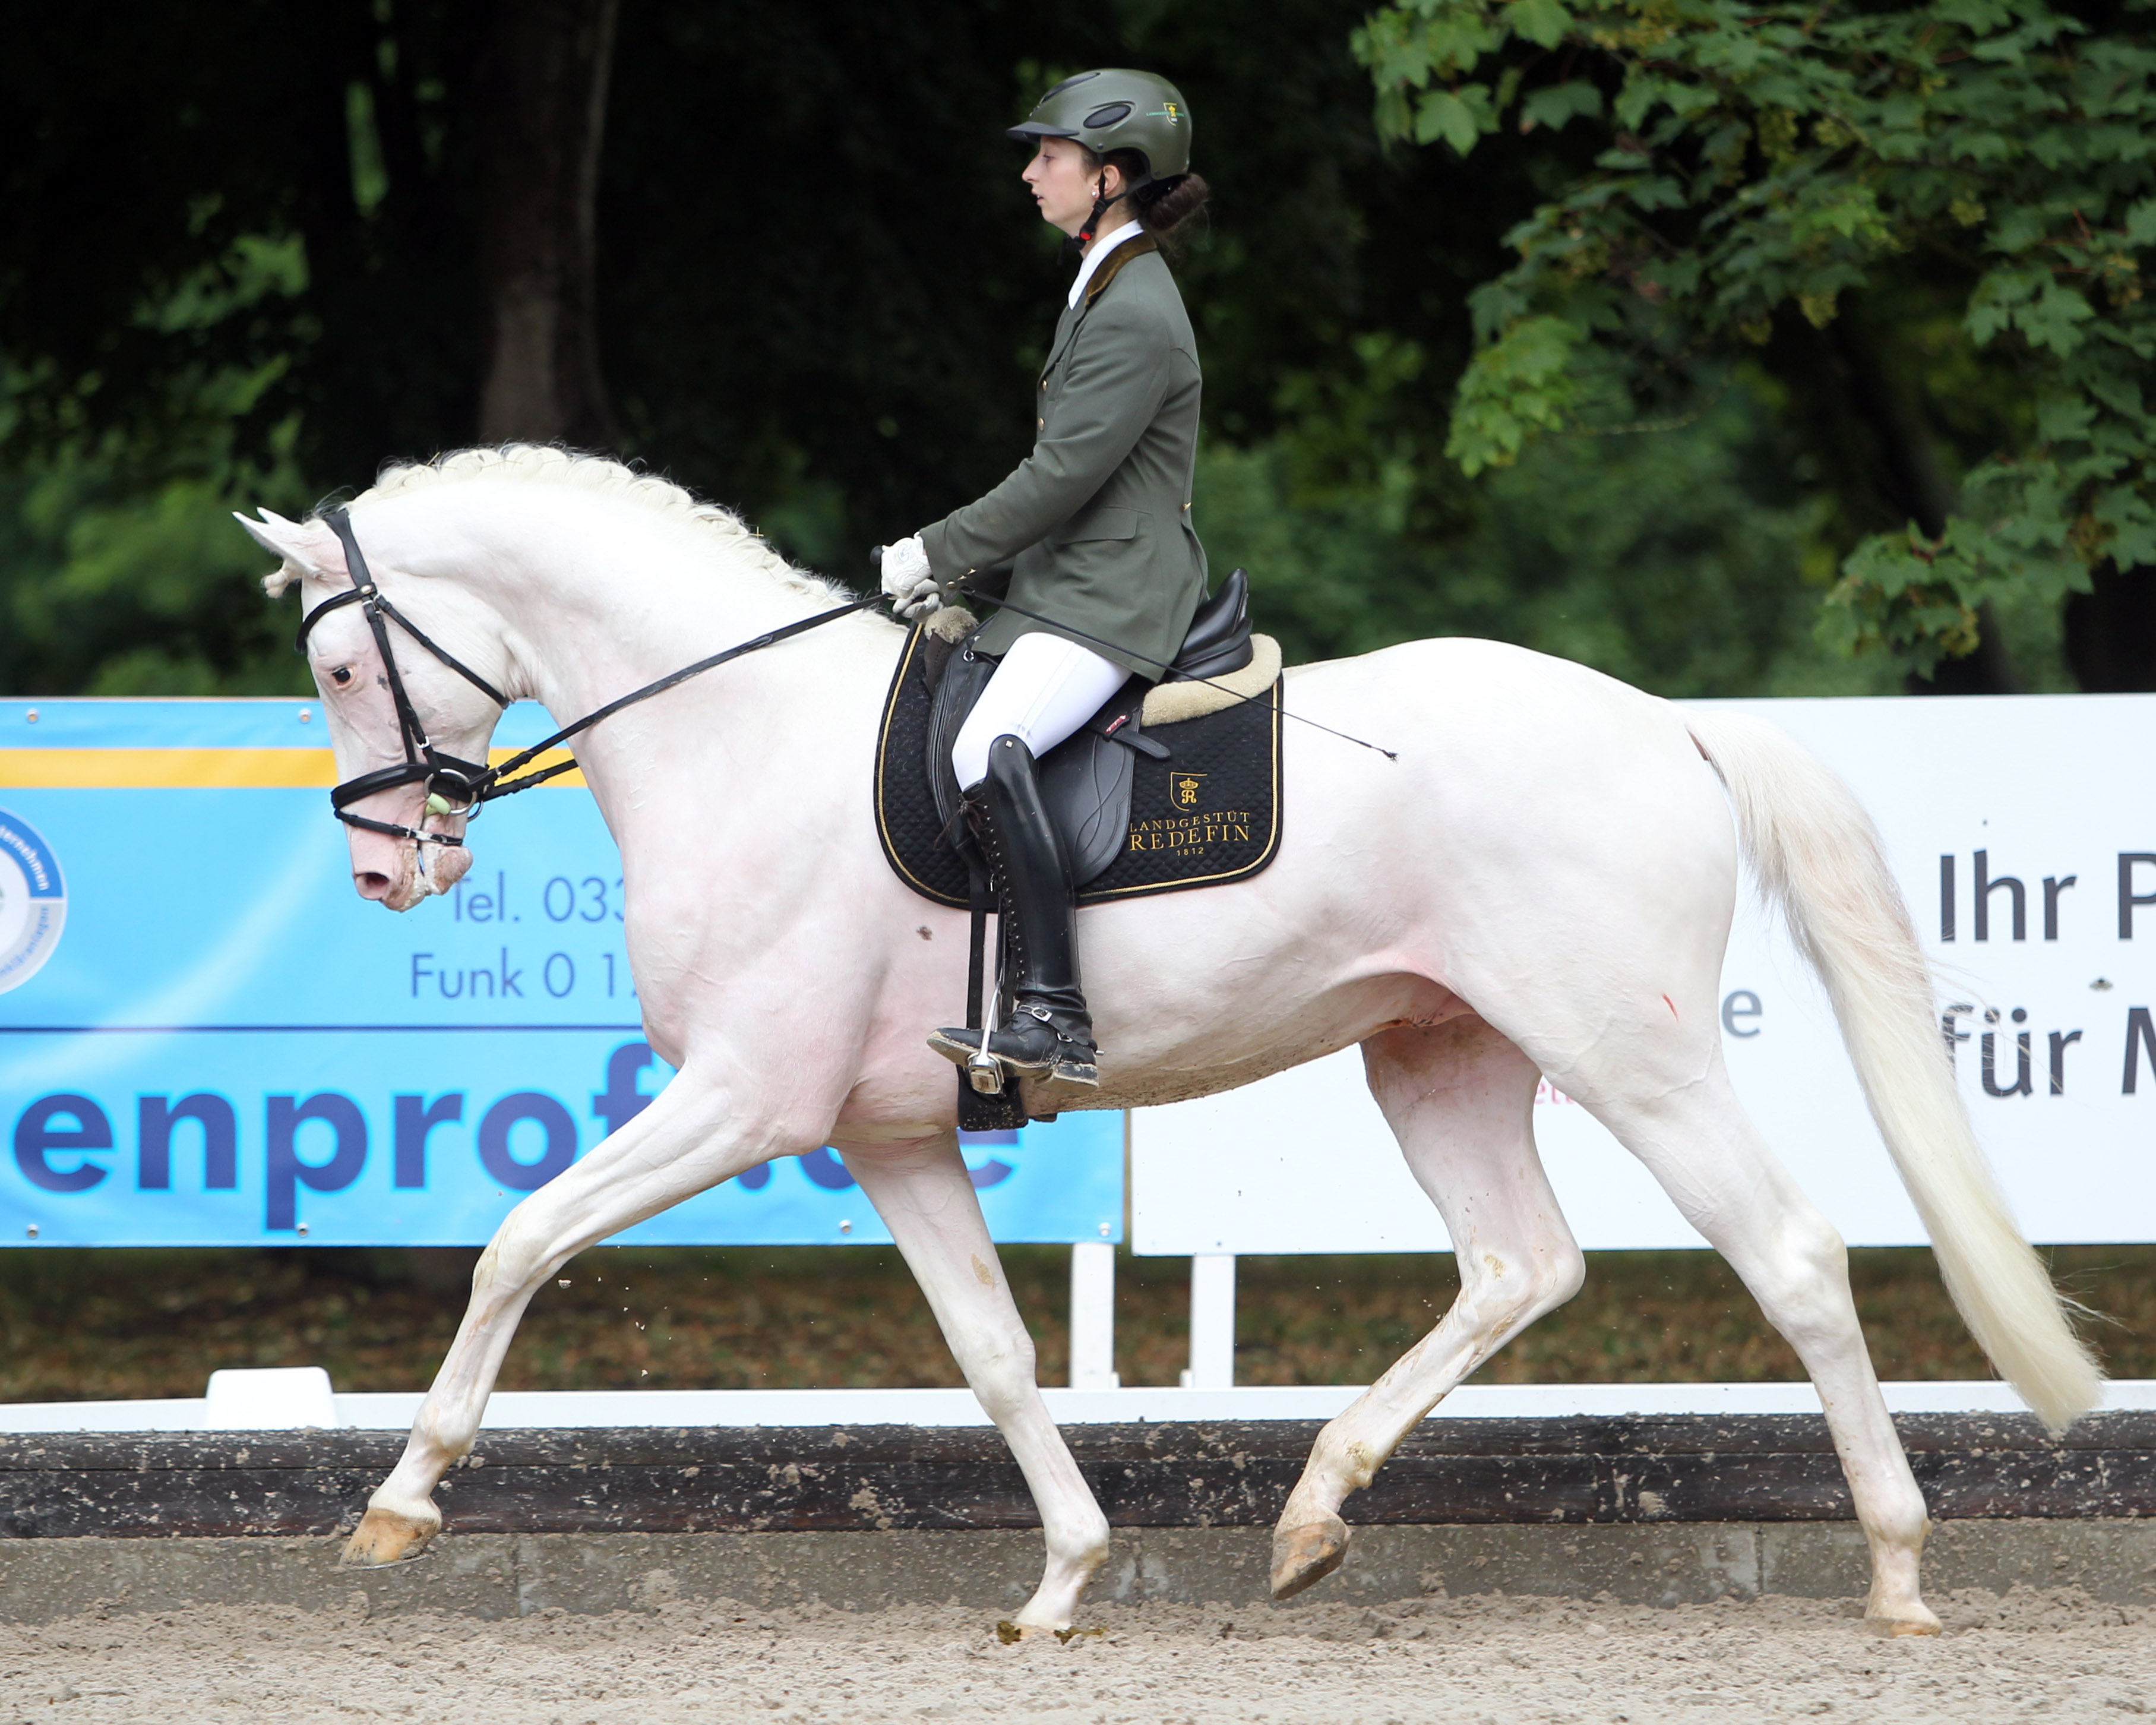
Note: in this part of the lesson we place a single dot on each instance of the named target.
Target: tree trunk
(2111, 632)
(542, 108)
(1879, 454)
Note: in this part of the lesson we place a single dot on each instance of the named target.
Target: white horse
(1541, 883)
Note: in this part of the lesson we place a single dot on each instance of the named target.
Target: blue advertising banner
(208, 1039)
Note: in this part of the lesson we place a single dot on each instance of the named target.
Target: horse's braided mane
(543, 464)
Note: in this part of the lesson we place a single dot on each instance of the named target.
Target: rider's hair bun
(1163, 207)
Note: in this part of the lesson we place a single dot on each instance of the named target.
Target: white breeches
(1046, 688)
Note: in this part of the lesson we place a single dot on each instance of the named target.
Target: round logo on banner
(33, 901)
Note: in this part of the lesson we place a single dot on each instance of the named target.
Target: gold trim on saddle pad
(1208, 815)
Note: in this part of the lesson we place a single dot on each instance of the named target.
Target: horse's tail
(1817, 855)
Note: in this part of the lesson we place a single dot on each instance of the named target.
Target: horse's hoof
(1007, 1632)
(385, 1536)
(1305, 1554)
(1918, 1622)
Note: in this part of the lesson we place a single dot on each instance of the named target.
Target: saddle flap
(1085, 781)
(958, 685)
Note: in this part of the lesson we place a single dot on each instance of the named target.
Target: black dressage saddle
(1187, 803)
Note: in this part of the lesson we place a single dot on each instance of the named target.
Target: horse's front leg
(678, 1146)
(927, 1199)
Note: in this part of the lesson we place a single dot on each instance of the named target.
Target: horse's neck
(601, 600)
(592, 595)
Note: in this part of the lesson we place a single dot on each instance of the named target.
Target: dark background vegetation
(250, 250)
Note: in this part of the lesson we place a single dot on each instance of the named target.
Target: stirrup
(989, 1071)
(984, 1072)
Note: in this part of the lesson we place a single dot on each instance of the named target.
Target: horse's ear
(304, 548)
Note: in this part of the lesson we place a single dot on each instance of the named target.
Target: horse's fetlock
(1344, 1462)
(1085, 1550)
(1898, 1535)
(432, 1451)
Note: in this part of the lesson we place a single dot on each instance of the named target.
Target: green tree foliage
(119, 571)
(1759, 165)
(1672, 558)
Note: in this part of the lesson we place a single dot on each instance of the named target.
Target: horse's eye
(342, 673)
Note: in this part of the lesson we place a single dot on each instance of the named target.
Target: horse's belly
(1202, 1060)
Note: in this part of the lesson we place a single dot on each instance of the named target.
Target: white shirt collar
(1094, 259)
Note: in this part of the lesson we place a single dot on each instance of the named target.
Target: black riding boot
(1049, 1035)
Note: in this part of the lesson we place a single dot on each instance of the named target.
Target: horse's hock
(1641, 1510)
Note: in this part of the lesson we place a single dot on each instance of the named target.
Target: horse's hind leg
(1460, 1098)
(925, 1197)
(1697, 1140)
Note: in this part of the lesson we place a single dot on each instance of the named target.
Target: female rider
(1095, 527)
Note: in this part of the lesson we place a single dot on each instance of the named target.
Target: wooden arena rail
(1739, 1468)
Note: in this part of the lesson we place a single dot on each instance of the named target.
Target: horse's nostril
(370, 884)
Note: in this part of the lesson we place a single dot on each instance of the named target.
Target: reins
(494, 788)
(446, 777)
(456, 786)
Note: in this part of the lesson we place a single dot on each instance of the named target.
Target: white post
(1093, 1315)
(1211, 1321)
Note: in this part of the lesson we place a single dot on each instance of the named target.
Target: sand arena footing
(501, 1575)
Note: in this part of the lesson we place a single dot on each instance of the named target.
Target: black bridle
(450, 781)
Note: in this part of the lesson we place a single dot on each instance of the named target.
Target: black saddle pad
(1208, 814)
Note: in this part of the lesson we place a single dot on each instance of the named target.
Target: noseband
(450, 781)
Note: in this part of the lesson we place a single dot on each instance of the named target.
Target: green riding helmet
(1115, 109)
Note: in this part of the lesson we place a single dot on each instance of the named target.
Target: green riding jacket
(1098, 517)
